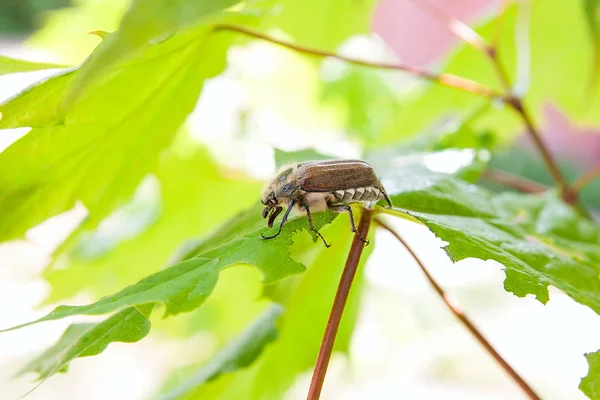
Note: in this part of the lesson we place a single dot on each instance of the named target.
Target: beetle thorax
(283, 188)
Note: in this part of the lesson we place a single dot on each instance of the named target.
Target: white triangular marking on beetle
(339, 194)
(360, 192)
(376, 190)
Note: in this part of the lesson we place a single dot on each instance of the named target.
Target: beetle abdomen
(369, 193)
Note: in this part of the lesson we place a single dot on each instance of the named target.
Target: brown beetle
(315, 186)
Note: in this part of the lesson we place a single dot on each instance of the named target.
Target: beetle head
(280, 191)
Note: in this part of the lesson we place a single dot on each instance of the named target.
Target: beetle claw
(268, 237)
(327, 245)
(364, 240)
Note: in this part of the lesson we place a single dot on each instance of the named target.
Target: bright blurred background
(406, 344)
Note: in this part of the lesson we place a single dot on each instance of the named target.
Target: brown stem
(493, 49)
(499, 24)
(456, 310)
(514, 181)
(492, 53)
(358, 244)
(552, 165)
(586, 179)
(454, 81)
(474, 39)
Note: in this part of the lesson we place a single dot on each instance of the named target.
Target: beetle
(315, 186)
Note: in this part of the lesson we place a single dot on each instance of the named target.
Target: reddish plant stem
(586, 179)
(492, 53)
(514, 181)
(516, 102)
(535, 135)
(474, 39)
(358, 244)
(457, 311)
(468, 35)
(454, 81)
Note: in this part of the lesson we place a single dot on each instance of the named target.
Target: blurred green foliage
(22, 16)
(11, 65)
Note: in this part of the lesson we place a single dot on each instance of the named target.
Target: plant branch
(586, 179)
(535, 135)
(493, 49)
(453, 81)
(492, 53)
(456, 310)
(514, 181)
(516, 102)
(358, 244)
(499, 24)
(468, 35)
(522, 47)
(471, 37)
(463, 31)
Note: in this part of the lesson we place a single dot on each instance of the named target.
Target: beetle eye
(287, 188)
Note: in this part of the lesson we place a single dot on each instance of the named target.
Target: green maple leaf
(120, 122)
(11, 65)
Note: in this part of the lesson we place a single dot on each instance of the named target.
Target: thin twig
(516, 102)
(468, 35)
(456, 310)
(499, 24)
(358, 244)
(493, 49)
(535, 135)
(514, 181)
(500, 70)
(586, 179)
(522, 48)
(475, 40)
(454, 81)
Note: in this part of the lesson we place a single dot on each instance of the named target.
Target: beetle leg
(312, 228)
(283, 221)
(346, 208)
(276, 211)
